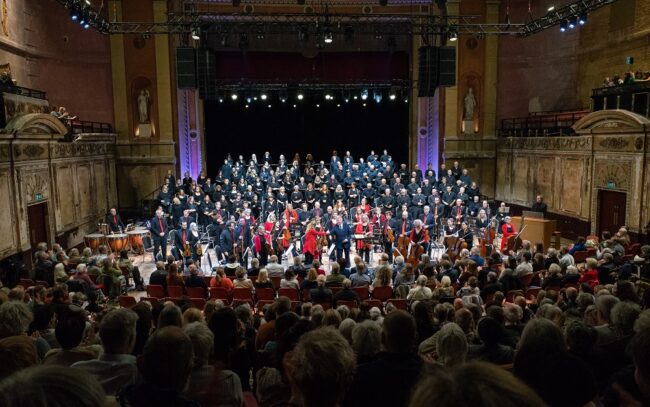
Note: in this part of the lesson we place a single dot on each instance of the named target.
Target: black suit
(115, 223)
(158, 226)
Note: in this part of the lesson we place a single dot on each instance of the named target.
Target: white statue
(470, 104)
(143, 106)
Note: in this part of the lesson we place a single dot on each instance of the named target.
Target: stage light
(582, 20)
(246, 106)
(563, 26)
(453, 35)
(300, 96)
(572, 22)
(74, 15)
(220, 100)
(392, 96)
(283, 96)
(338, 105)
(82, 21)
(294, 105)
(355, 97)
(86, 26)
(234, 96)
(249, 99)
(317, 105)
(406, 99)
(329, 37)
(364, 105)
(269, 106)
(364, 94)
(377, 96)
(196, 33)
(551, 9)
(263, 96)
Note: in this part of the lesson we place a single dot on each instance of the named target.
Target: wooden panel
(502, 187)
(572, 179)
(84, 190)
(521, 186)
(544, 179)
(65, 191)
(100, 189)
(7, 226)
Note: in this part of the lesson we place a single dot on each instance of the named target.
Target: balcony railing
(83, 126)
(634, 97)
(541, 124)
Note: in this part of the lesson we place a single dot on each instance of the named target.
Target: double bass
(487, 238)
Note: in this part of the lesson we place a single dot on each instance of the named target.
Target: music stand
(533, 214)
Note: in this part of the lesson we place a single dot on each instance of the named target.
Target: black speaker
(206, 78)
(447, 66)
(428, 71)
(185, 68)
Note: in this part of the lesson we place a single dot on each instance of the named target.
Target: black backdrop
(283, 129)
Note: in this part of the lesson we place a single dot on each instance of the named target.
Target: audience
(580, 335)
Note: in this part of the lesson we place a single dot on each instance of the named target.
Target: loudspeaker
(428, 71)
(206, 80)
(185, 67)
(447, 66)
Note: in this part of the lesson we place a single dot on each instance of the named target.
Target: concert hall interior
(325, 203)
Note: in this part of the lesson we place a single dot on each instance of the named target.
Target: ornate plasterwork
(548, 143)
(613, 120)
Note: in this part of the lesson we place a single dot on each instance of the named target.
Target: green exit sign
(38, 196)
(611, 184)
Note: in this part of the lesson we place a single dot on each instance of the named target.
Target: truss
(557, 16)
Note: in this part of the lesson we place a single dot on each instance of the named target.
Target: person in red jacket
(507, 230)
(309, 245)
(590, 274)
(364, 246)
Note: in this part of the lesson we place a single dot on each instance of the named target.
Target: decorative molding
(612, 172)
(81, 149)
(547, 143)
(614, 120)
(36, 124)
(614, 143)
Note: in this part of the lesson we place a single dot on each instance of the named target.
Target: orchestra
(256, 209)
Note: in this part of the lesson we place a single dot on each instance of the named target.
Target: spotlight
(294, 105)
(364, 94)
(317, 105)
(364, 105)
(328, 96)
(355, 97)
(338, 105)
(269, 106)
(377, 96)
(329, 37)
(82, 20)
(74, 15)
(246, 106)
(249, 99)
(572, 22)
(196, 33)
(582, 20)
(224, 40)
(300, 96)
(233, 96)
(283, 96)
(406, 100)
(551, 9)
(392, 95)
(260, 34)
(86, 25)
(263, 96)
(563, 26)
(452, 36)
(220, 100)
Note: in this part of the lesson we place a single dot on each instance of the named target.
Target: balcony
(541, 124)
(634, 97)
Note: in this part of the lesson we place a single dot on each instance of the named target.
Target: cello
(514, 242)
(487, 238)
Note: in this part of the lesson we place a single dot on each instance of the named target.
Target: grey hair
(366, 339)
(624, 315)
(322, 356)
(346, 327)
(604, 304)
(15, 318)
(202, 342)
(42, 386)
(451, 345)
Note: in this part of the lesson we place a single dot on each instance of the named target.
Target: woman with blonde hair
(263, 280)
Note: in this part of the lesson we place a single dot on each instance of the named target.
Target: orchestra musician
(228, 240)
(507, 230)
(458, 212)
(465, 235)
(182, 238)
(419, 235)
(403, 226)
(261, 244)
(364, 246)
(114, 222)
(427, 220)
(450, 230)
(159, 229)
(245, 234)
(309, 247)
(482, 221)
